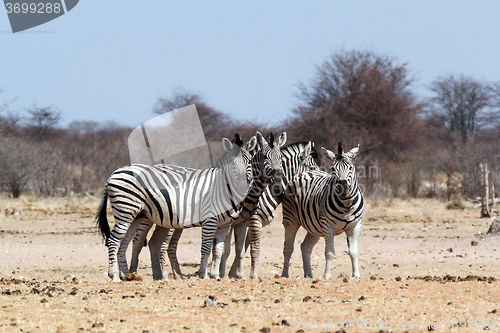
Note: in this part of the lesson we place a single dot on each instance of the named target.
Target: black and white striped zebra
(158, 249)
(178, 197)
(258, 185)
(296, 158)
(325, 205)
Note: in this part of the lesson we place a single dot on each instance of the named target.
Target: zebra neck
(251, 201)
(351, 198)
(230, 190)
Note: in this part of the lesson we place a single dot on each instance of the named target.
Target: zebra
(297, 157)
(259, 184)
(159, 248)
(178, 197)
(325, 205)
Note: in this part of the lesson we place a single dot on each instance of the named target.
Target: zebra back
(175, 196)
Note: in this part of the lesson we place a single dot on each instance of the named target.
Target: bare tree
(42, 120)
(216, 124)
(460, 105)
(82, 126)
(359, 97)
(8, 119)
(16, 165)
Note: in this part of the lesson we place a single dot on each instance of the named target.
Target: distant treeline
(410, 145)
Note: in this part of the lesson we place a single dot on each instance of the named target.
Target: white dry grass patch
(25, 204)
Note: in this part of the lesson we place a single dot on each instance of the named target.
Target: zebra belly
(319, 229)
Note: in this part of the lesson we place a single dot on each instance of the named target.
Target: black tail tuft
(101, 218)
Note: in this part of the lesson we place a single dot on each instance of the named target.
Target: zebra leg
(172, 253)
(120, 238)
(290, 233)
(306, 248)
(163, 253)
(217, 250)
(122, 250)
(226, 253)
(329, 251)
(253, 238)
(208, 230)
(352, 243)
(138, 243)
(155, 245)
(238, 267)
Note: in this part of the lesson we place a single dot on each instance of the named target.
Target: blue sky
(111, 60)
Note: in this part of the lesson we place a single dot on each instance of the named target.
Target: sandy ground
(412, 256)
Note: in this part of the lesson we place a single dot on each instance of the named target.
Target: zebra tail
(101, 218)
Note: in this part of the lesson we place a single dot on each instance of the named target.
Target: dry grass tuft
(133, 277)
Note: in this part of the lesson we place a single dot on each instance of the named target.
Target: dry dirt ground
(412, 256)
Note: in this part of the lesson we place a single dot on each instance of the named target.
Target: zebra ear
(328, 153)
(280, 142)
(251, 144)
(260, 140)
(307, 151)
(228, 146)
(353, 152)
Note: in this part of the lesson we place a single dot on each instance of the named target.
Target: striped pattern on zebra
(158, 248)
(270, 150)
(296, 157)
(175, 197)
(259, 186)
(325, 205)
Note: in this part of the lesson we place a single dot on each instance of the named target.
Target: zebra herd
(240, 196)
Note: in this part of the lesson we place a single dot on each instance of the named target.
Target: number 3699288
(33, 8)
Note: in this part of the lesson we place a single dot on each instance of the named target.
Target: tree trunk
(485, 202)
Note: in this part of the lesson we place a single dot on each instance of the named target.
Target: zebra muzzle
(341, 188)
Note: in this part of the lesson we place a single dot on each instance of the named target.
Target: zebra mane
(237, 140)
(270, 139)
(341, 150)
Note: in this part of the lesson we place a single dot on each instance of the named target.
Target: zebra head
(296, 158)
(307, 158)
(268, 158)
(235, 160)
(343, 171)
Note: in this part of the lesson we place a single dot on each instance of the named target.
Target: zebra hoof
(159, 278)
(115, 278)
(237, 276)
